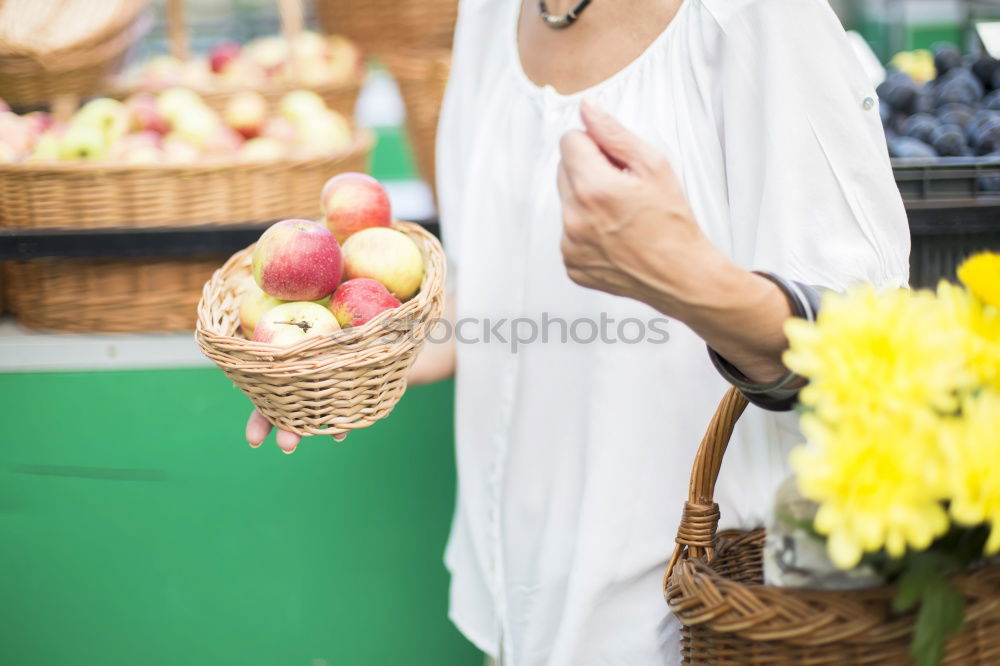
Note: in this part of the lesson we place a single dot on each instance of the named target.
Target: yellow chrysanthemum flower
(981, 274)
(870, 350)
(887, 372)
(980, 324)
(974, 458)
(879, 478)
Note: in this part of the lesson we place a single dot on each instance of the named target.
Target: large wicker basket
(107, 295)
(714, 585)
(324, 385)
(383, 26)
(50, 49)
(340, 96)
(422, 75)
(102, 195)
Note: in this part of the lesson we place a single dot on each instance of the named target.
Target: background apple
(289, 323)
(145, 114)
(222, 55)
(108, 115)
(262, 149)
(246, 113)
(352, 202)
(386, 255)
(324, 132)
(358, 301)
(297, 260)
(83, 142)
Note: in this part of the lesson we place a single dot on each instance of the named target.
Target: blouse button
(868, 104)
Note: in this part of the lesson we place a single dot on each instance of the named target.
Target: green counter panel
(138, 528)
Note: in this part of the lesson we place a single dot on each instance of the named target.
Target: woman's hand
(435, 362)
(628, 230)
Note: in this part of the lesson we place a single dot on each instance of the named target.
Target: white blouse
(574, 454)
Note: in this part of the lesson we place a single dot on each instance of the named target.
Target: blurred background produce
(138, 153)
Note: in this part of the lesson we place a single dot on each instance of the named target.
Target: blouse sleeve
(812, 197)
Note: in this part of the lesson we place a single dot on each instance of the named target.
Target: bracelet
(803, 301)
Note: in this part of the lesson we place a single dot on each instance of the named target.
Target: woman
(632, 164)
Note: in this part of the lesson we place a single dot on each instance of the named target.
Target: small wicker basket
(383, 26)
(324, 385)
(339, 96)
(51, 49)
(714, 585)
(422, 75)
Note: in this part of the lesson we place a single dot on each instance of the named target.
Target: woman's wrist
(738, 313)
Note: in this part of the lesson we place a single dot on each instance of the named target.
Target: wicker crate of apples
(170, 159)
(318, 322)
(176, 126)
(331, 66)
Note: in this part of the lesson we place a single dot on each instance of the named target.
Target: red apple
(297, 260)
(145, 113)
(222, 55)
(388, 256)
(246, 112)
(290, 323)
(352, 202)
(358, 301)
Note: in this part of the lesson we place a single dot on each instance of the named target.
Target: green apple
(110, 116)
(83, 142)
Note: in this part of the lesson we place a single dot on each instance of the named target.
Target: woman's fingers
(287, 441)
(258, 429)
(339, 437)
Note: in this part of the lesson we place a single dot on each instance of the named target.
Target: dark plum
(984, 68)
(992, 101)
(946, 58)
(899, 91)
(955, 114)
(919, 126)
(959, 86)
(949, 141)
(987, 138)
(908, 147)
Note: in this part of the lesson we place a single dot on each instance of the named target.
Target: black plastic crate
(953, 206)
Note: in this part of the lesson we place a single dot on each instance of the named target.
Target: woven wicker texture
(339, 96)
(85, 295)
(384, 26)
(323, 385)
(714, 585)
(69, 47)
(78, 194)
(422, 75)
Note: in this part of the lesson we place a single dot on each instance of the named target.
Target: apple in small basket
(290, 323)
(352, 202)
(297, 260)
(358, 301)
(254, 303)
(386, 255)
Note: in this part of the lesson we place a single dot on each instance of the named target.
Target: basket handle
(696, 533)
(290, 12)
